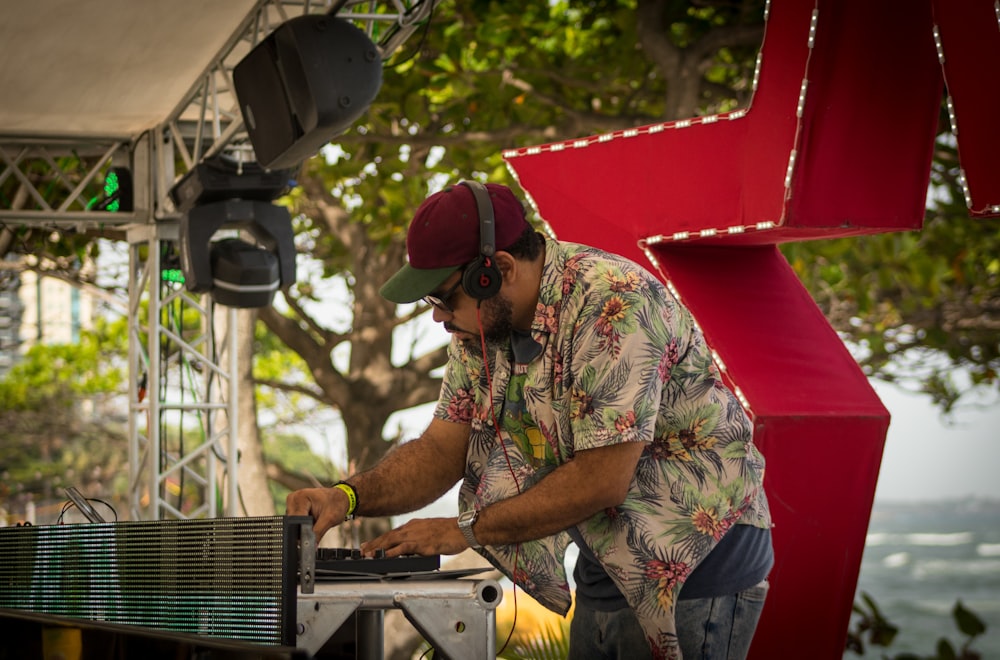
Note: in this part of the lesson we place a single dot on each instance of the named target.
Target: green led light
(111, 186)
(173, 275)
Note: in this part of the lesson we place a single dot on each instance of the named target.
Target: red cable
(510, 468)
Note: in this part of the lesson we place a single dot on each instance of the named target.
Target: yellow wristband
(352, 497)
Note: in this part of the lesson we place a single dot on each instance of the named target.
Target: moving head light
(222, 194)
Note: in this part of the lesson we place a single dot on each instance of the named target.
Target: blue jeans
(707, 628)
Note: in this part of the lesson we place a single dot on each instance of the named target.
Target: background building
(10, 319)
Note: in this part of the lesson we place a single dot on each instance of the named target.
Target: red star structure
(837, 141)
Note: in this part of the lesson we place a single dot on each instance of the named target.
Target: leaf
(967, 621)
(945, 651)
(883, 634)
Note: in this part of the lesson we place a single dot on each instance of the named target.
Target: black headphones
(482, 279)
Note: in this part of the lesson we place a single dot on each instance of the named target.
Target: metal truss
(183, 431)
(61, 182)
(182, 379)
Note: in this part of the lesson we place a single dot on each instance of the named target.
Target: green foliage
(872, 628)
(44, 450)
(294, 456)
(871, 623)
(65, 250)
(57, 374)
(50, 433)
(54, 178)
(485, 76)
(273, 361)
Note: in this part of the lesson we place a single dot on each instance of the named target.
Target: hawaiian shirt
(620, 361)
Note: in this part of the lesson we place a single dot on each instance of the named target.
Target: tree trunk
(251, 472)
(254, 490)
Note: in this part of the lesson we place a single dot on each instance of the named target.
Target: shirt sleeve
(456, 402)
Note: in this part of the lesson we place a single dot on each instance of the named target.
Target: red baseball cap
(444, 236)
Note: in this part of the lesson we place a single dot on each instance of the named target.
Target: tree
(55, 430)
(482, 77)
(869, 626)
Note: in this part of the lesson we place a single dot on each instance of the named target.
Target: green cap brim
(411, 284)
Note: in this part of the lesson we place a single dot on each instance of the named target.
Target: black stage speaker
(306, 83)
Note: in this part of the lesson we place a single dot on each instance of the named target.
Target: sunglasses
(441, 301)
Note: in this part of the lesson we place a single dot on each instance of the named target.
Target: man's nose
(440, 316)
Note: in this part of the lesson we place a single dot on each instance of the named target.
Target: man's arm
(410, 476)
(596, 479)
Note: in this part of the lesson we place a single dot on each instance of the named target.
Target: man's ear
(507, 264)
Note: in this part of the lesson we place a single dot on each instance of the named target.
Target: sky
(927, 458)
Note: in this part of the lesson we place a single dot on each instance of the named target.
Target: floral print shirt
(620, 361)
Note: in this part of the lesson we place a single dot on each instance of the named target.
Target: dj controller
(339, 563)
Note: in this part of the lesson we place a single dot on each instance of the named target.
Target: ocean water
(920, 559)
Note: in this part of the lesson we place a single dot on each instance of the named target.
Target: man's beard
(499, 318)
(497, 314)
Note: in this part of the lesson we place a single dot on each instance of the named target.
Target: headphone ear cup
(482, 279)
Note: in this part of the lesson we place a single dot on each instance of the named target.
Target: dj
(580, 404)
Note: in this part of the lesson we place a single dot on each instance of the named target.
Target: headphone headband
(482, 278)
(487, 227)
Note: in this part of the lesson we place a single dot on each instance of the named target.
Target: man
(579, 404)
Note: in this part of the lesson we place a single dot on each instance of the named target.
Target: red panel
(772, 134)
(870, 118)
(612, 193)
(862, 146)
(818, 422)
(970, 41)
(714, 173)
(775, 343)
(820, 481)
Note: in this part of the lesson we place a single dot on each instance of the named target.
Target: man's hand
(424, 536)
(327, 507)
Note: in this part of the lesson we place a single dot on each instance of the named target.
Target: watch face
(468, 517)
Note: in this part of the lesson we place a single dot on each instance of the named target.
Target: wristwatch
(465, 523)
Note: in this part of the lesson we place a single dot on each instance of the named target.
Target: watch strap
(465, 522)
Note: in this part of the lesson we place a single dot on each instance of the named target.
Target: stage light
(235, 272)
(222, 194)
(117, 192)
(172, 275)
